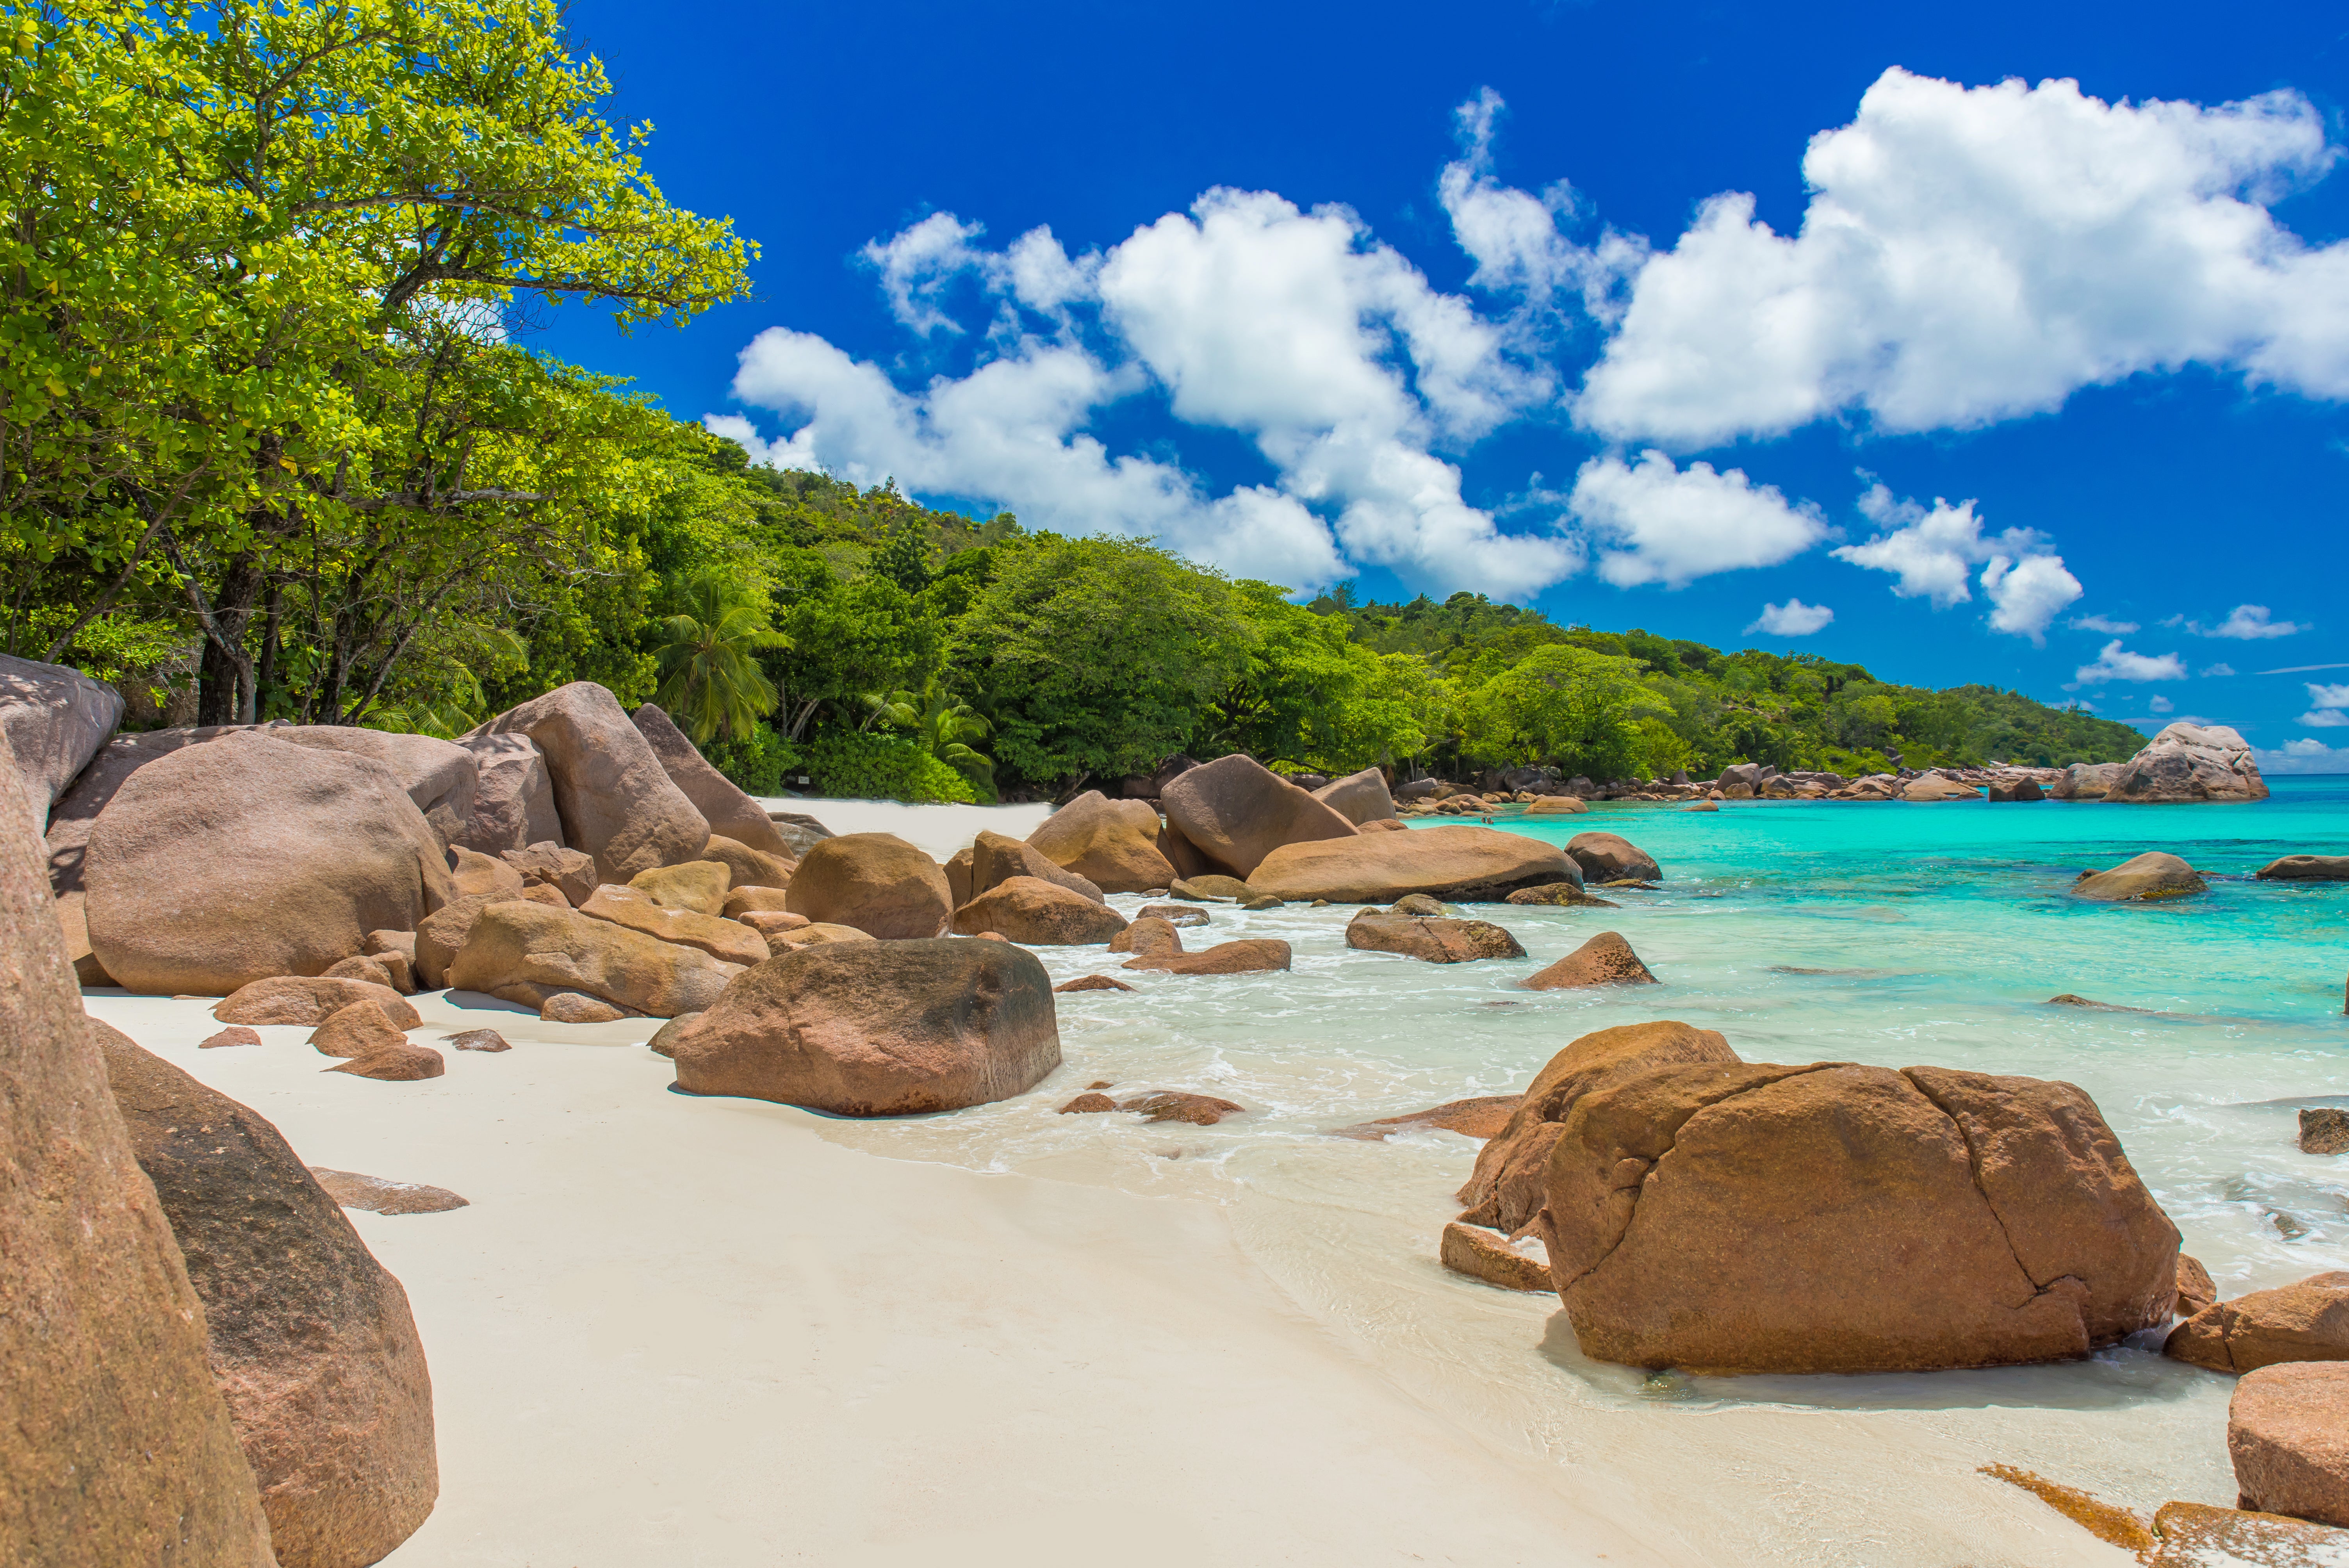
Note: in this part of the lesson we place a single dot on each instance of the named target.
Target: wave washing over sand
(725, 1331)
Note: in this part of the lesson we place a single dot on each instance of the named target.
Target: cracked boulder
(1728, 1217)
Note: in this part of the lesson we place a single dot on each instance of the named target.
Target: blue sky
(1994, 334)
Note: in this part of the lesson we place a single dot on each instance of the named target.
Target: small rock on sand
(377, 1195)
(478, 1040)
(234, 1034)
(402, 1063)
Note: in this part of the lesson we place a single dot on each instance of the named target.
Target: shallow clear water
(1887, 934)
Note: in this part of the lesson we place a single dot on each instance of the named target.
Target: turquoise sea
(1890, 933)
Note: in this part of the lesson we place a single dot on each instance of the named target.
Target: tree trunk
(225, 693)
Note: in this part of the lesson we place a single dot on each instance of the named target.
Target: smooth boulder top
(699, 886)
(1235, 811)
(223, 863)
(1114, 844)
(1933, 787)
(2187, 762)
(877, 1029)
(525, 952)
(877, 882)
(1460, 863)
(1835, 1218)
(1359, 797)
(118, 1447)
(725, 808)
(513, 795)
(1506, 1189)
(2307, 1321)
(1249, 956)
(94, 788)
(617, 800)
(439, 776)
(2306, 868)
(53, 721)
(2288, 1435)
(312, 1338)
(747, 867)
(1611, 856)
(2147, 877)
(1039, 913)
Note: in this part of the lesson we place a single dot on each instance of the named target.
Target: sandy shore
(719, 1331)
(672, 1330)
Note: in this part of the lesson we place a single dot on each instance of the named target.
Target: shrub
(756, 762)
(884, 767)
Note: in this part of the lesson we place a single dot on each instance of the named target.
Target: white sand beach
(719, 1332)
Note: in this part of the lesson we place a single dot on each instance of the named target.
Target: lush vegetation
(272, 444)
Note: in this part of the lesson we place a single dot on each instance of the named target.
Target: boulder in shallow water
(1507, 1189)
(1214, 886)
(1039, 913)
(1490, 1256)
(1181, 1105)
(1235, 811)
(1459, 864)
(2195, 1288)
(877, 882)
(2306, 868)
(1091, 982)
(2196, 1535)
(221, 864)
(2288, 1435)
(311, 1339)
(1482, 1117)
(1114, 844)
(617, 800)
(1610, 857)
(1605, 960)
(2324, 1130)
(1834, 1218)
(2189, 762)
(878, 1028)
(1249, 957)
(2304, 1322)
(1434, 940)
(2144, 878)
(722, 805)
(2014, 790)
(1561, 894)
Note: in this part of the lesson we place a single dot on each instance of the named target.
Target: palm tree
(710, 678)
(942, 725)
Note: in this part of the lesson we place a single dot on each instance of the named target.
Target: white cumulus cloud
(2162, 705)
(2325, 718)
(1930, 550)
(2320, 696)
(1328, 350)
(1655, 522)
(2115, 663)
(2248, 623)
(1971, 254)
(1792, 619)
